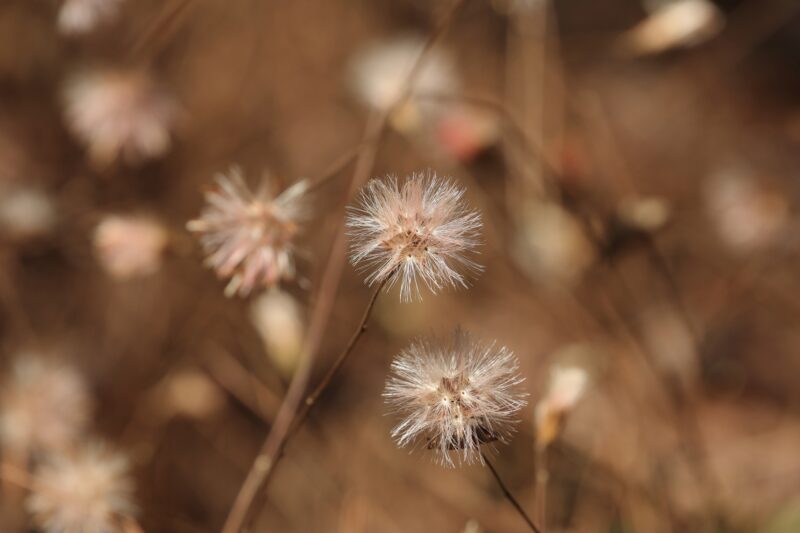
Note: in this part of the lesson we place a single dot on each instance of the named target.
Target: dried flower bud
(380, 74)
(278, 318)
(130, 246)
(566, 387)
(674, 24)
(249, 236)
(26, 212)
(82, 16)
(191, 393)
(456, 396)
(119, 113)
(88, 491)
(45, 406)
(420, 229)
(551, 244)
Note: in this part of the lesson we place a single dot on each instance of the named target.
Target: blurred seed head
(129, 246)
(417, 229)
(249, 237)
(551, 244)
(674, 24)
(454, 396)
(119, 113)
(45, 406)
(379, 77)
(747, 215)
(565, 389)
(26, 212)
(83, 16)
(87, 491)
(278, 318)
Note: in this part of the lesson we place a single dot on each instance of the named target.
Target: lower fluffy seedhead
(454, 397)
(89, 491)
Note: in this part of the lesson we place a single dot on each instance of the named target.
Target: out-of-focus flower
(119, 113)
(87, 491)
(551, 244)
(191, 393)
(130, 246)
(26, 212)
(249, 236)
(82, 16)
(44, 406)
(278, 318)
(418, 229)
(674, 24)
(465, 132)
(380, 77)
(747, 216)
(647, 214)
(454, 396)
(566, 387)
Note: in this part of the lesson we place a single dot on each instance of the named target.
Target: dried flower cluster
(88, 491)
(249, 236)
(119, 113)
(454, 396)
(418, 229)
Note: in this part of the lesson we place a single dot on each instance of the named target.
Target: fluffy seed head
(249, 236)
(418, 229)
(44, 406)
(89, 491)
(455, 396)
(119, 113)
(129, 246)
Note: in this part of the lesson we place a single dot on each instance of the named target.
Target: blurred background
(635, 163)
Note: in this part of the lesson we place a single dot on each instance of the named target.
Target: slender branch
(510, 497)
(262, 466)
(542, 477)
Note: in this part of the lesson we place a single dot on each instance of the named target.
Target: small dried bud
(456, 397)
(380, 74)
(674, 24)
(566, 387)
(45, 406)
(130, 246)
(278, 318)
(421, 228)
(117, 112)
(82, 16)
(26, 212)
(88, 491)
(249, 236)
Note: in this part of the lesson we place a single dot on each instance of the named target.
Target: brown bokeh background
(691, 419)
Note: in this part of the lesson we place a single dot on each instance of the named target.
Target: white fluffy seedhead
(416, 229)
(88, 491)
(249, 237)
(454, 397)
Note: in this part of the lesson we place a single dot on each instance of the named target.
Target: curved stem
(510, 497)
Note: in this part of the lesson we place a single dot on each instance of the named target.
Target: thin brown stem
(542, 477)
(510, 497)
